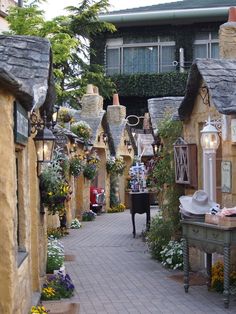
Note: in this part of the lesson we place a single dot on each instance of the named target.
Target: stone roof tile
(26, 69)
(219, 75)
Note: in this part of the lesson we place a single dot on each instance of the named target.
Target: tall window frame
(117, 45)
(20, 205)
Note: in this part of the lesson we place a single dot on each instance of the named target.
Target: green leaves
(69, 37)
(151, 85)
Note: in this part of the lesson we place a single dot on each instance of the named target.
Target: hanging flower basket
(90, 171)
(82, 130)
(115, 165)
(76, 165)
(64, 115)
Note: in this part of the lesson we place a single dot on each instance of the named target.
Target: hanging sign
(226, 176)
(21, 124)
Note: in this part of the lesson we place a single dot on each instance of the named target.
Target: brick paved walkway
(113, 273)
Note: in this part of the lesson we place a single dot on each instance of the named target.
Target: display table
(139, 204)
(210, 239)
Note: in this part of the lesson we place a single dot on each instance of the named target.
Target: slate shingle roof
(26, 70)
(158, 106)
(179, 5)
(117, 131)
(219, 76)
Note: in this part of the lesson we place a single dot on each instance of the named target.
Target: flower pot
(62, 307)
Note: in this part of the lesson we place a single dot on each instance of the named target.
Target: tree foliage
(69, 36)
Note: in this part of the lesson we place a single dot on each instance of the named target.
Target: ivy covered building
(150, 53)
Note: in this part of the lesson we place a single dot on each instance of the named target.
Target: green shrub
(158, 235)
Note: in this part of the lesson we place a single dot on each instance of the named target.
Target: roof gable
(26, 70)
(219, 76)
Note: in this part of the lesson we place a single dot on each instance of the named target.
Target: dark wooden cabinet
(139, 204)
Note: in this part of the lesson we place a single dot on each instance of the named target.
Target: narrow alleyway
(113, 273)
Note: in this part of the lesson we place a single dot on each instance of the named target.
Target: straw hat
(197, 204)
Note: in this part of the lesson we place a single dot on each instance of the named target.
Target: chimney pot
(89, 89)
(232, 14)
(116, 100)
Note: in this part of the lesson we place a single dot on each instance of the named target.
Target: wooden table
(139, 204)
(210, 239)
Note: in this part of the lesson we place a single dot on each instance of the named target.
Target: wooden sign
(21, 124)
(226, 176)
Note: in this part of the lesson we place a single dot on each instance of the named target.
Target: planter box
(62, 307)
(229, 222)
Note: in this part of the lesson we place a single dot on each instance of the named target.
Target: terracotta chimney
(232, 14)
(89, 89)
(116, 101)
(116, 113)
(95, 90)
(227, 36)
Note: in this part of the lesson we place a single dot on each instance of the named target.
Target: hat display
(198, 204)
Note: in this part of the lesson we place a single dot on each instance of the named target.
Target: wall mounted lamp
(44, 139)
(104, 136)
(129, 145)
(156, 145)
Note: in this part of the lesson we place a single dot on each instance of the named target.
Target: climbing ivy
(151, 85)
(164, 172)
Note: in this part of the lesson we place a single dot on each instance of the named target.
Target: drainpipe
(181, 60)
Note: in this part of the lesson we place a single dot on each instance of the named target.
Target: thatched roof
(219, 76)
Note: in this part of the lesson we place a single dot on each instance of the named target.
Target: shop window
(185, 157)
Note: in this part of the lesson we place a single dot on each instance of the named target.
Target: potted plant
(64, 115)
(55, 291)
(55, 255)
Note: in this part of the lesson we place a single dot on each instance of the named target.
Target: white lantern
(210, 139)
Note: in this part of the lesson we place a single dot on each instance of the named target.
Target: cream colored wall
(18, 282)
(7, 204)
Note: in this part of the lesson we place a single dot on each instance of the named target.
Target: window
(20, 207)
(206, 45)
(150, 55)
